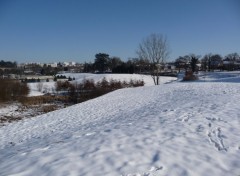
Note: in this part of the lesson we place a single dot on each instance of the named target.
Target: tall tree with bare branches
(155, 49)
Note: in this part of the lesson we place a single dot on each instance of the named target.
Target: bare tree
(155, 49)
(39, 86)
(206, 62)
(233, 56)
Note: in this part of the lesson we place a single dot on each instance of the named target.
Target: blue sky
(75, 30)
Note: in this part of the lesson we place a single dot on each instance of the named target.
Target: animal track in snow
(216, 137)
(215, 119)
(186, 117)
(211, 119)
(200, 128)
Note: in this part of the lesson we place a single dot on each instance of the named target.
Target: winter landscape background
(179, 128)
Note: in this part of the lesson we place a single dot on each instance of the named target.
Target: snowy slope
(173, 129)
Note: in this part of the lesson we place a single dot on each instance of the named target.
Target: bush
(189, 76)
(114, 84)
(88, 89)
(12, 90)
(62, 86)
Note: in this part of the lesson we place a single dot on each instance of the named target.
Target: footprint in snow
(156, 157)
(200, 128)
(216, 138)
(107, 130)
(166, 110)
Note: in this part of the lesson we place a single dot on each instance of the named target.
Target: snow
(178, 129)
(220, 76)
(38, 88)
(121, 77)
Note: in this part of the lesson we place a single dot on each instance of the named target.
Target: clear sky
(75, 30)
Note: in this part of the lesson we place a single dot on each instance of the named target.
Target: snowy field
(121, 77)
(177, 129)
(49, 87)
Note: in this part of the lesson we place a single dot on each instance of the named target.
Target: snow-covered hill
(173, 129)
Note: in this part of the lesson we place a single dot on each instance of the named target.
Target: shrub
(12, 90)
(89, 84)
(62, 86)
(114, 84)
(88, 89)
(189, 76)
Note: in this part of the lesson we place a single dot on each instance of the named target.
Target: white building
(54, 65)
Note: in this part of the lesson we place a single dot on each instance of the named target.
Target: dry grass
(49, 108)
(38, 100)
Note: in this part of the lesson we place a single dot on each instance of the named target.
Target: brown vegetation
(49, 108)
(67, 94)
(88, 89)
(39, 100)
(12, 90)
(189, 76)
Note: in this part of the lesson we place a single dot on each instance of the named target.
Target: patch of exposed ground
(14, 111)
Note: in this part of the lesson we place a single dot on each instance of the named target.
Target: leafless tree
(233, 57)
(155, 49)
(39, 86)
(206, 62)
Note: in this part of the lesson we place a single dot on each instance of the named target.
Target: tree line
(151, 64)
(8, 64)
(210, 62)
(153, 56)
(103, 63)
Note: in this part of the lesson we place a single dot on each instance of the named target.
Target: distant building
(65, 64)
(72, 63)
(54, 65)
(69, 64)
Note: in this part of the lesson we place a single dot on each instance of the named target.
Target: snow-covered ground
(232, 76)
(122, 77)
(38, 88)
(173, 129)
